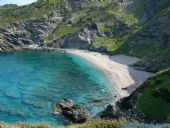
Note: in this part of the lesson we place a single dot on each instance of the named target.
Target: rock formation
(72, 112)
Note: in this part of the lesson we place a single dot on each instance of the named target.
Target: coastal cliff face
(78, 40)
(23, 33)
(132, 27)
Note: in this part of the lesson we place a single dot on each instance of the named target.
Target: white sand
(33, 46)
(117, 69)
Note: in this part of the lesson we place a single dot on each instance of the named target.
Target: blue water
(32, 82)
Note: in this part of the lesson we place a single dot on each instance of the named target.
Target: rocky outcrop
(23, 33)
(110, 113)
(73, 112)
(79, 40)
(114, 112)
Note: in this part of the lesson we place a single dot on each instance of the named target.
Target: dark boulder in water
(73, 112)
(98, 101)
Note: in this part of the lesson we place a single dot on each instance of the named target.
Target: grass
(129, 19)
(63, 30)
(37, 10)
(110, 43)
(100, 124)
(151, 49)
(23, 125)
(97, 11)
(102, 28)
(143, 49)
(138, 9)
(90, 124)
(155, 108)
(98, 3)
(29, 125)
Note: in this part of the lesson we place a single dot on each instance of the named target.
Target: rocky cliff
(23, 33)
(133, 27)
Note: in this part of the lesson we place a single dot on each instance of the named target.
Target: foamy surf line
(126, 78)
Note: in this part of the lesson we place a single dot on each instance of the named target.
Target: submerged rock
(98, 101)
(73, 112)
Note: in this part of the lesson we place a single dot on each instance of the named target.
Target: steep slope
(151, 43)
(100, 25)
(146, 9)
(134, 27)
(29, 24)
(78, 17)
(23, 33)
(151, 101)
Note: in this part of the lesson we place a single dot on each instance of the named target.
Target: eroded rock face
(79, 40)
(73, 112)
(109, 113)
(114, 112)
(23, 33)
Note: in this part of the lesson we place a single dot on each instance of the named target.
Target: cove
(32, 82)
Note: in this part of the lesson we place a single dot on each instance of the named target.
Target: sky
(18, 2)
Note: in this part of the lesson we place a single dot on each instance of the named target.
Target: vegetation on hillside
(63, 30)
(38, 10)
(151, 42)
(109, 18)
(91, 124)
(118, 25)
(153, 97)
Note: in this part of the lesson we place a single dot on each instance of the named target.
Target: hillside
(151, 42)
(150, 101)
(130, 27)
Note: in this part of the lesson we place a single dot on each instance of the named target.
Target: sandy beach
(117, 68)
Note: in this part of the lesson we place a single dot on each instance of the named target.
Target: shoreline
(116, 67)
(124, 77)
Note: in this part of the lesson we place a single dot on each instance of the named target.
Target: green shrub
(155, 108)
(100, 124)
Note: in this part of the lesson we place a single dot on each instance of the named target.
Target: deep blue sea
(32, 82)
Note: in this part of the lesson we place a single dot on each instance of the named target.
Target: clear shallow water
(31, 82)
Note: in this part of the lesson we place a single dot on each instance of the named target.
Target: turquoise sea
(32, 82)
